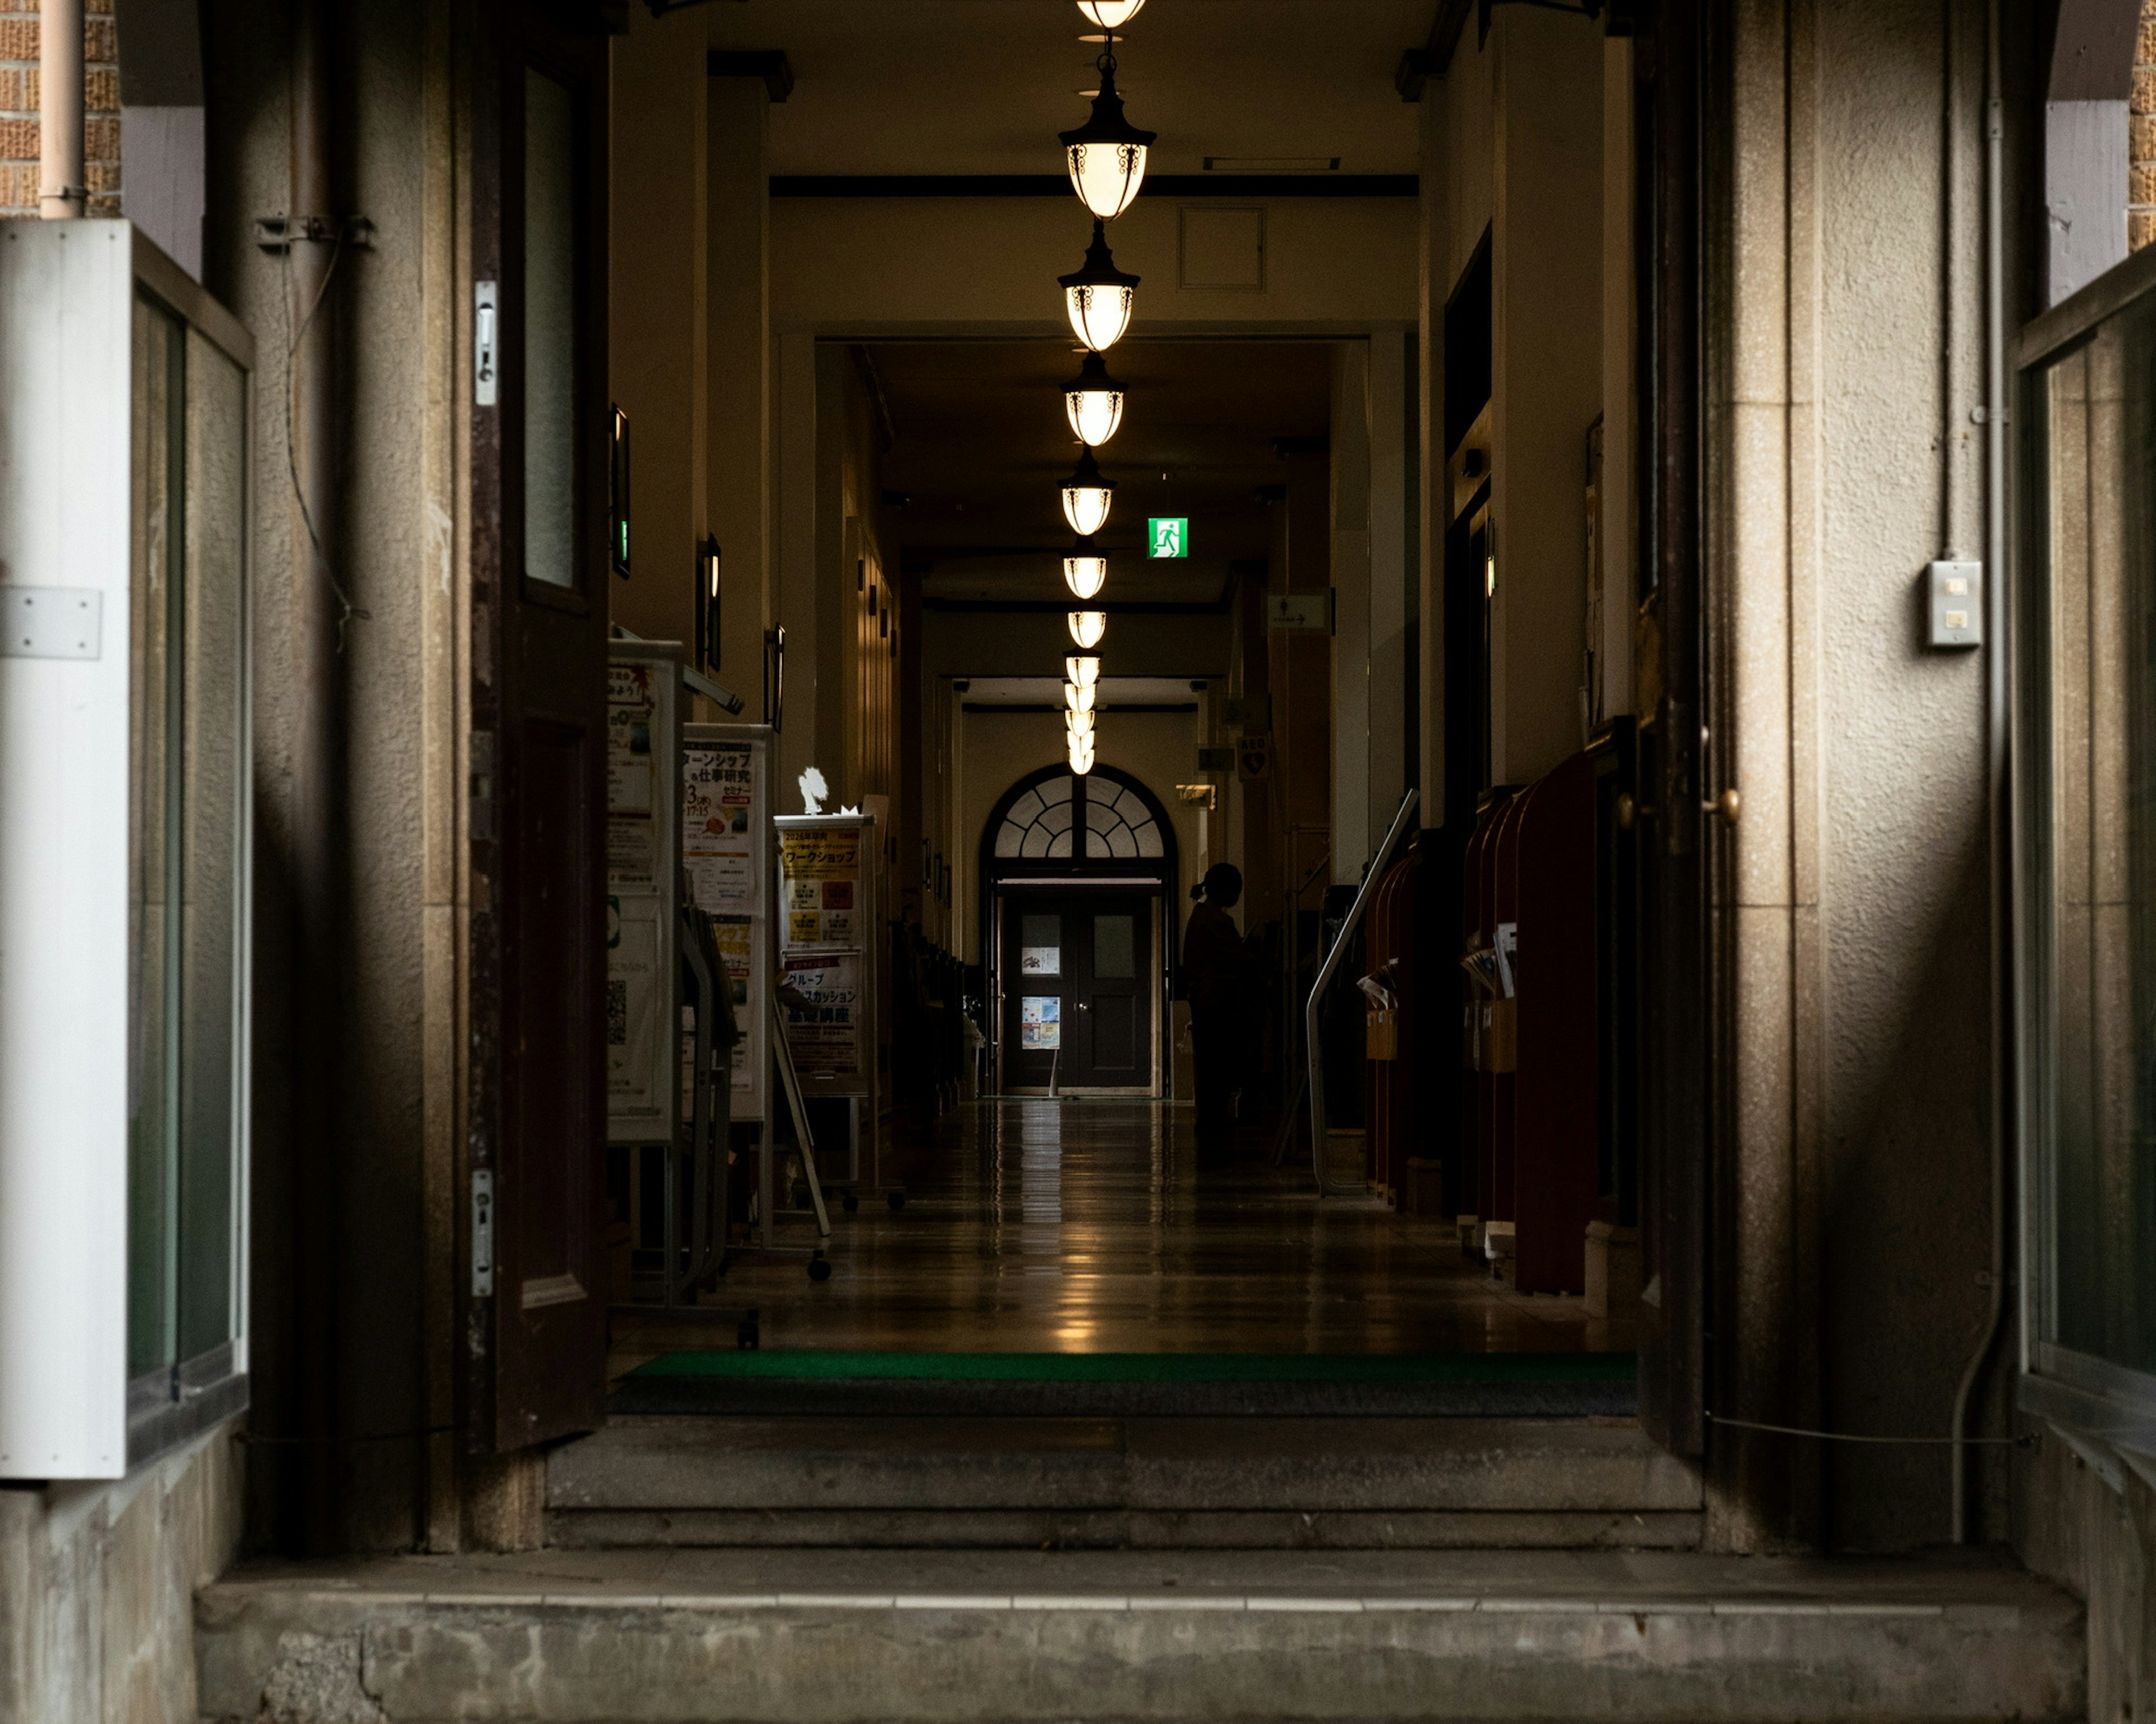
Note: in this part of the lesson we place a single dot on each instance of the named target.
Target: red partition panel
(1557, 1082)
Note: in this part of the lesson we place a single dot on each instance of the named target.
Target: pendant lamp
(1078, 724)
(1112, 14)
(1099, 297)
(1078, 699)
(1107, 154)
(1080, 755)
(1082, 673)
(1087, 496)
(1087, 627)
(1093, 400)
(1085, 570)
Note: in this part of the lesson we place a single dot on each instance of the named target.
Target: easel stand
(767, 1179)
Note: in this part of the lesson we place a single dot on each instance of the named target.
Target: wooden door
(536, 1335)
(1675, 1008)
(1113, 992)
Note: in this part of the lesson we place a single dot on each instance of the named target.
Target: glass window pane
(550, 331)
(1114, 947)
(212, 627)
(1040, 944)
(158, 528)
(2097, 633)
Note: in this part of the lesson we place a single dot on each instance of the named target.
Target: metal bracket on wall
(281, 233)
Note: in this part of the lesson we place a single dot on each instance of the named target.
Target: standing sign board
(831, 923)
(642, 852)
(725, 850)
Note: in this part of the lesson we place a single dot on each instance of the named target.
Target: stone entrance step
(1121, 1483)
(1006, 1637)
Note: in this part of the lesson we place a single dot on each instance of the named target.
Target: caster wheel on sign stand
(748, 1338)
(820, 1269)
(896, 1200)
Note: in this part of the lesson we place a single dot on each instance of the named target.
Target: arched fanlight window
(1118, 821)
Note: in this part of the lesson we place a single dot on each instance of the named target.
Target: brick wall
(2141, 176)
(19, 108)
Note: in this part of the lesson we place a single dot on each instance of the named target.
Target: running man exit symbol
(1168, 536)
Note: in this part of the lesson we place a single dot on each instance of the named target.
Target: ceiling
(983, 86)
(982, 445)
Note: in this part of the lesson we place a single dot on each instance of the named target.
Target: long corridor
(1091, 1226)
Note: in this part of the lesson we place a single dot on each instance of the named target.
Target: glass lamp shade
(1078, 699)
(1107, 154)
(1087, 496)
(1081, 755)
(1082, 673)
(1094, 402)
(1084, 571)
(1078, 724)
(1112, 14)
(1087, 627)
(1099, 297)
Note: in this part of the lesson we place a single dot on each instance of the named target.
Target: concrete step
(1104, 1482)
(1006, 1637)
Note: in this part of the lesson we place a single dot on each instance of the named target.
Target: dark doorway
(1078, 1003)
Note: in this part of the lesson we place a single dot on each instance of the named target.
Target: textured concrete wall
(97, 1585)
(2093, 1528)
(340, 1332)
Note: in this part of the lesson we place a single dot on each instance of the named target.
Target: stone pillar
(737, 370)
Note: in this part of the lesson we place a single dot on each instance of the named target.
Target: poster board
(642, 852)
(726, 854)
(832, 932)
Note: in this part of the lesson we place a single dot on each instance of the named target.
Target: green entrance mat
(1404, 1368)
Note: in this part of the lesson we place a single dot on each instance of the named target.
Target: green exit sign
(1167, 536)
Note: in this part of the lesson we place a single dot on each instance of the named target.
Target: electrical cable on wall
(347, 610)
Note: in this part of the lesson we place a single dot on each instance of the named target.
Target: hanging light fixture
(1112, 14)
(1078, 699)
(1080, 754)
(1087, 496)
(1107, 154)
(1099, 296)
(1078, 724)
(1085, 570)
(1082, 673)
(1087, 627)
(1094, 402)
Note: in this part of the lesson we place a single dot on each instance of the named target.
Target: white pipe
(1995, 688)
(63, 182)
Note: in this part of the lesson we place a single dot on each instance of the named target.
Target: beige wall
(844, 264)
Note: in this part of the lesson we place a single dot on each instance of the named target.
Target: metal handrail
(1313, 1052)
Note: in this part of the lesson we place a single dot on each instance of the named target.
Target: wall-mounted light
(1099, 297)
(707, 603)
(1087, 496)
(1112, 14)
(1093, 400)
(1107, 154)
(1085, 570)
(1087, 627)
(1082, 673)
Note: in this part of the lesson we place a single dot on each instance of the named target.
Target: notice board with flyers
(727, 855)
(643, 863)
(830, 926)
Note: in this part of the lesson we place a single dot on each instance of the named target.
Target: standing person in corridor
(1218, 977)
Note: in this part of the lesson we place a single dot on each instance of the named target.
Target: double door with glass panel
(1078, 987)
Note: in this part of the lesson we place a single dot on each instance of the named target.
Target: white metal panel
(66, 295)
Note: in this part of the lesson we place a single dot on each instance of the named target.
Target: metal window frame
(2094, 1401)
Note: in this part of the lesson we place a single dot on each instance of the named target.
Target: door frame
(1155, 892)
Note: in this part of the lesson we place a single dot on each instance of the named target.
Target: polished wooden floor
(1090, 1225)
